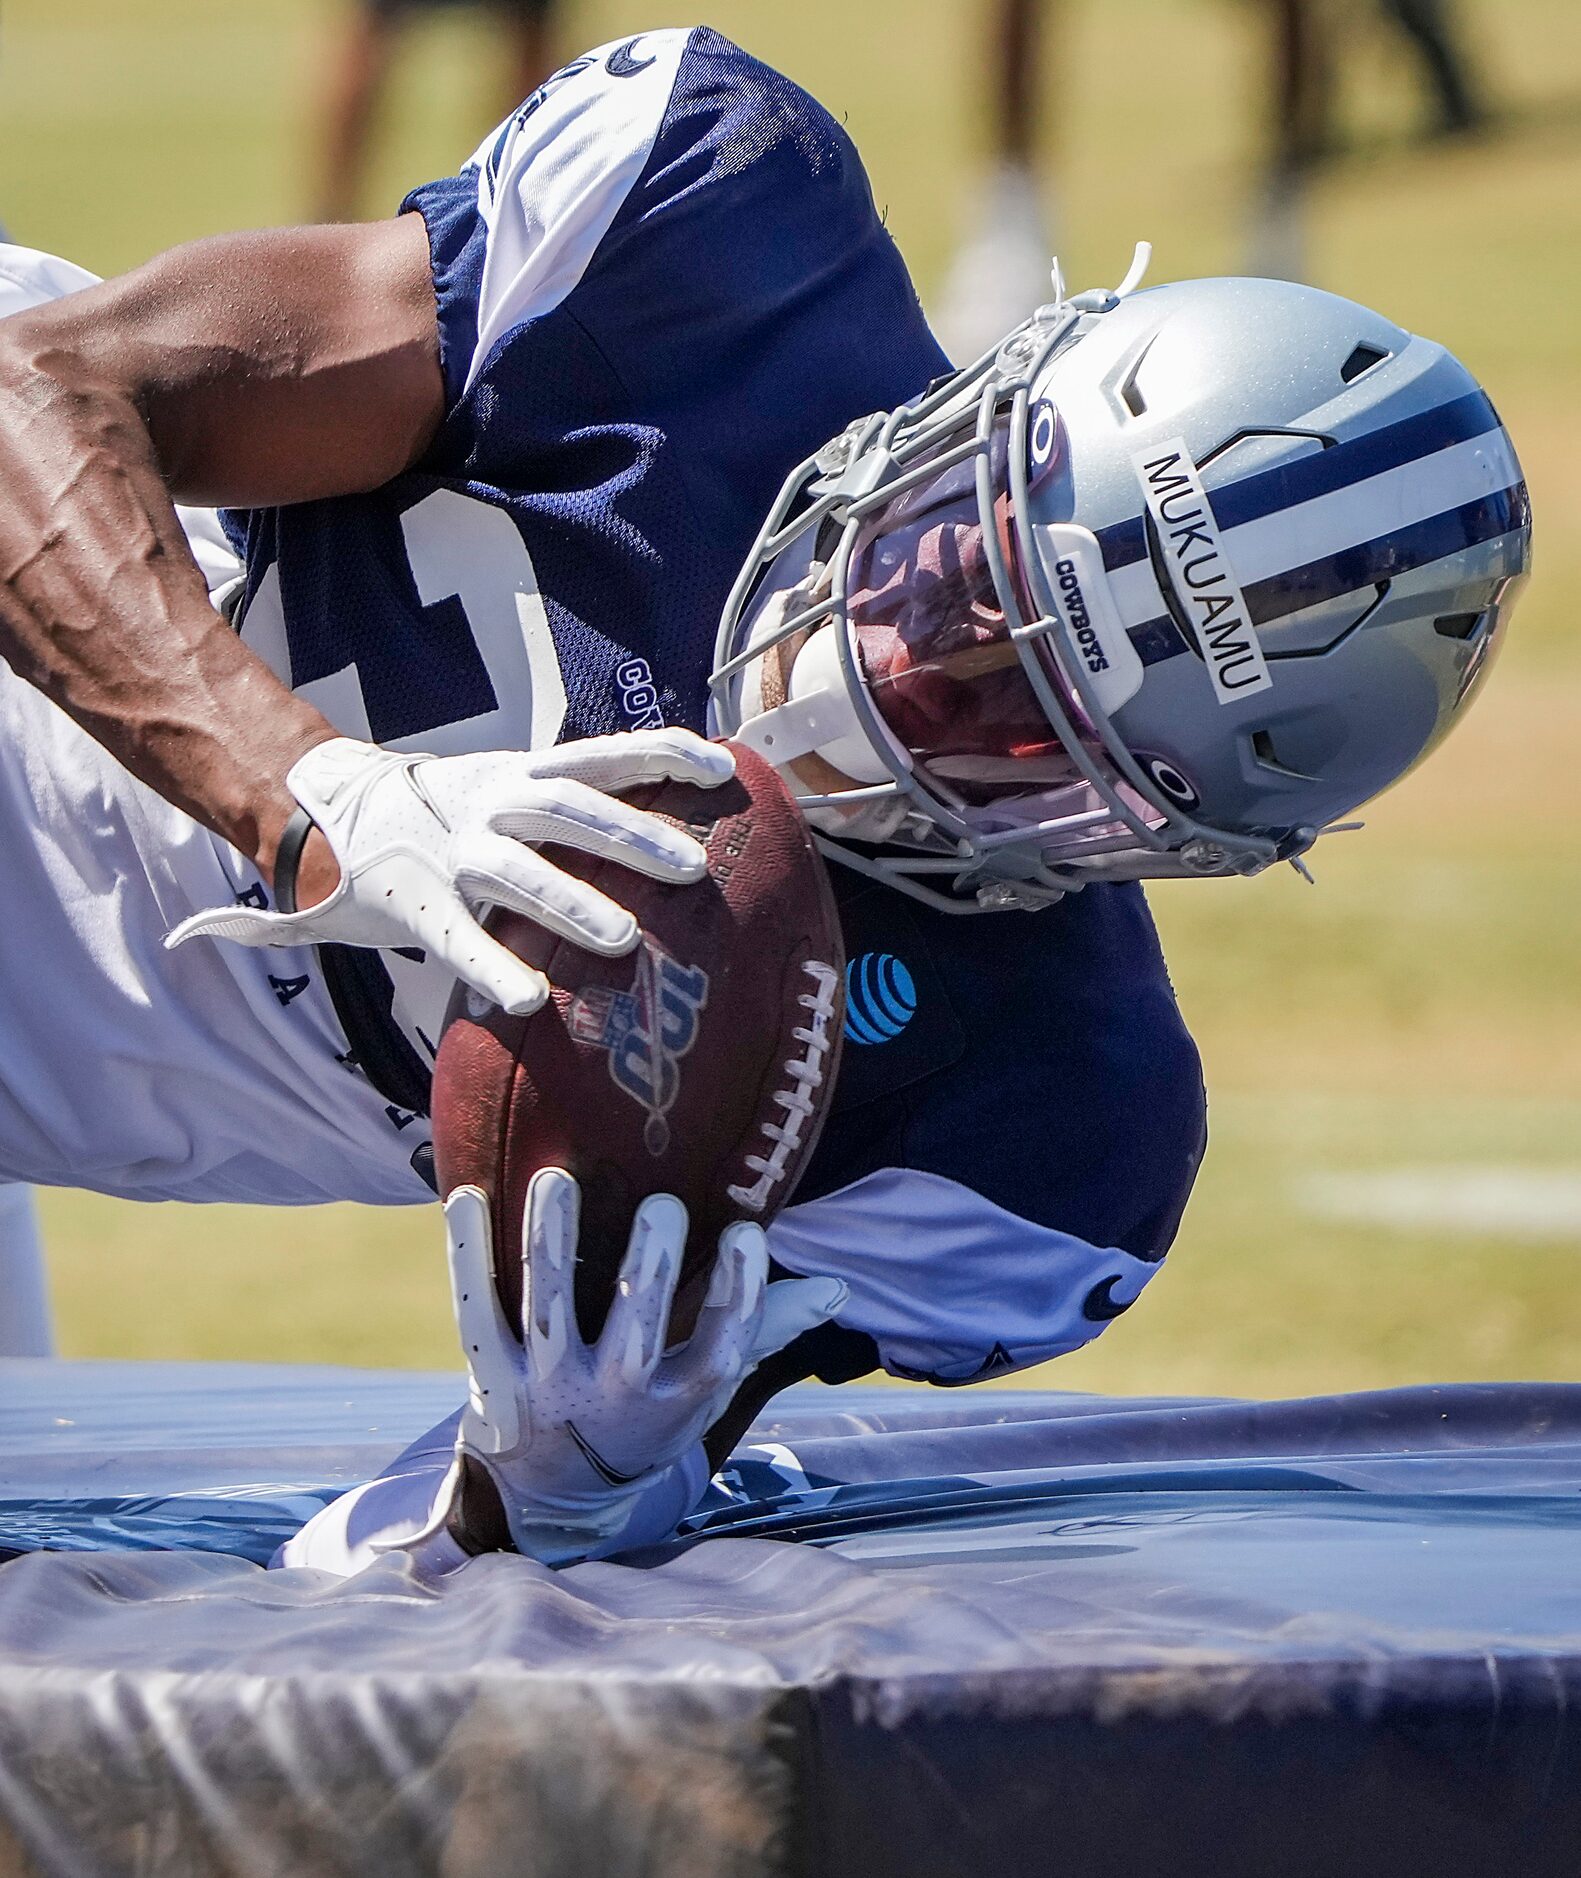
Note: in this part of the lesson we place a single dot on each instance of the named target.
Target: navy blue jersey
(632, 362)
(661, 284)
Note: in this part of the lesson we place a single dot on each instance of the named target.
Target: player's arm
(259, 370)
(249, 369)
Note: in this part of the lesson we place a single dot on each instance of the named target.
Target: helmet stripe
(1343, 518)
(1355, 568)
(1322, 472)
(1365, 565)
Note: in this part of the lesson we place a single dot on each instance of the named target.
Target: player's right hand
(424, 842)
(575, 1435)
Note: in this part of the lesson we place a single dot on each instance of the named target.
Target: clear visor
(953, 665)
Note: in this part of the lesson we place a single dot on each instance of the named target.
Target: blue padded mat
(912, 1632)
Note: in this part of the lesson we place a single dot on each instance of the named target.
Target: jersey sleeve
(685, 241)
(950, 1287)
(517, 230)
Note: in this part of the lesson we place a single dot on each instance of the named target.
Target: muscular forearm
(103, 608)
(225, 373)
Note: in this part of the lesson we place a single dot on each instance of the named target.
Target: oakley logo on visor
(1199, 571)
(1086, 610)
(1043, 442)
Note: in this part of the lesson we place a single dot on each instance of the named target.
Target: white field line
(1502, 1202)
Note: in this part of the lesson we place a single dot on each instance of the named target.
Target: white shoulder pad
(29, 277)
(552, 178)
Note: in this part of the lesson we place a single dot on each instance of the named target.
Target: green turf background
(1419, 1008)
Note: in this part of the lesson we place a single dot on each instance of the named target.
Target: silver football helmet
(1169, 583)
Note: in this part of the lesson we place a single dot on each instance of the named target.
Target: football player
(1166, 584)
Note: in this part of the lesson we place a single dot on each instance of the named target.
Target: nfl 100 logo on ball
(721, 1036)
(645, 1032)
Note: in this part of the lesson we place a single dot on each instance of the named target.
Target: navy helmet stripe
(1321, 472)
(1370, 562)
(1123, 542)
(1157, 639)
(1356, 568)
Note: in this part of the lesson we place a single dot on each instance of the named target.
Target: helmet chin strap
(817, 723)
(817, 717)
(814, 714)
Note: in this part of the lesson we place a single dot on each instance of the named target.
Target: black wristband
(288, 857)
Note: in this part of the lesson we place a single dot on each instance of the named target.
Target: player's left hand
(572, 1435)
(424, 842)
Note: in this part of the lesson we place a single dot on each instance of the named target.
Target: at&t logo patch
(645, 1032)
(880, 998)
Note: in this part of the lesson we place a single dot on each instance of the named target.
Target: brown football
(700, 1065)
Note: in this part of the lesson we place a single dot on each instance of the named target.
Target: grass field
(1414, 1019)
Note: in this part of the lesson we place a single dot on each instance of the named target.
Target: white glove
(573, 1435)
(423, 840)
